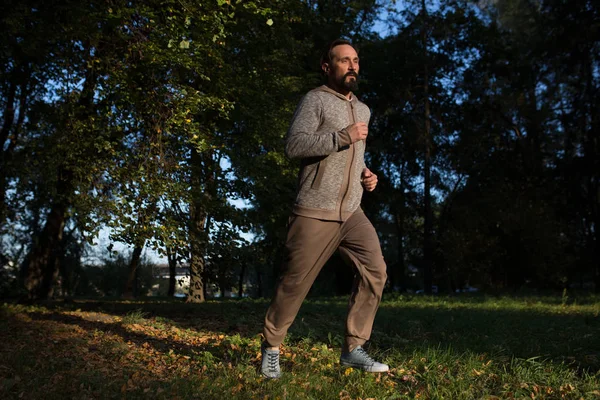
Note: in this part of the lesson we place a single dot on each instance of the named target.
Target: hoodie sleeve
(304, 138)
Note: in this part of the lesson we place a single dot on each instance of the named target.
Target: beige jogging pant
(310, 243)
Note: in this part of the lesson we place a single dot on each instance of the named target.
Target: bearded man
(327, 134)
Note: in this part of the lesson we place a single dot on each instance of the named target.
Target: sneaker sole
(363, 368)
(271, 377)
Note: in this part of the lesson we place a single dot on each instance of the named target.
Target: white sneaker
(358, 358)
(270, 362)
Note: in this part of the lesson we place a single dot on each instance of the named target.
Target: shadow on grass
(568, 335)
(220, 350)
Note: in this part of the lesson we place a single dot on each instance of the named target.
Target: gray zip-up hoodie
(329, 183)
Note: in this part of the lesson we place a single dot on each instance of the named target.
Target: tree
(136, 64)
(411, 85)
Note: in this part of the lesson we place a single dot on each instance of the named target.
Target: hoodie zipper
(348, 178)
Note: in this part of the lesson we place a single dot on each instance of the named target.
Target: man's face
(342, 71)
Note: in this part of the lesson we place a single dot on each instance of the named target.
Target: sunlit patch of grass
(135, 317)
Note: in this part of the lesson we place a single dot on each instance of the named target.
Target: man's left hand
(369, 180)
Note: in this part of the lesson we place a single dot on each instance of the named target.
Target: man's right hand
(357, 131)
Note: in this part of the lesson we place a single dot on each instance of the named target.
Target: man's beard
(350, 84)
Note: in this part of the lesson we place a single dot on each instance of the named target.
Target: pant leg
(360, 248)
(310, 243)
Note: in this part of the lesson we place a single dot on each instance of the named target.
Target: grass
(460, 347)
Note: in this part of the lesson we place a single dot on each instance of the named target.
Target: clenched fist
(357, 131)
(368, 180)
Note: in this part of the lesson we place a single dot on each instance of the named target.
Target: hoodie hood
(325, 88)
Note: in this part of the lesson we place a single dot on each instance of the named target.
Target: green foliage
(504, 150)
(149, 119)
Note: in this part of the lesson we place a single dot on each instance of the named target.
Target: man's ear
(325, 67)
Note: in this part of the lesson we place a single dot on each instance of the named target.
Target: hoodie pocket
(316, 184)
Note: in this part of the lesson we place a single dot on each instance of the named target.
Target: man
(328, 133)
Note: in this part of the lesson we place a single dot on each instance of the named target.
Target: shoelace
(273, 361)
(366, 356)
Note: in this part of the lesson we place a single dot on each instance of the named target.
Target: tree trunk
(198, 217)
(597, 256)
(131, 289)
(224, 283)
(197, 247)
(428, 214)
(241, 280)
(534, 158)
(443, 218)
(223, 287)
(172, 258)
(9, 115)
(592, 151)
(6, 152)
(41, 265)
(595, 202)
(399, 276)
(64, 271)
(259, 289)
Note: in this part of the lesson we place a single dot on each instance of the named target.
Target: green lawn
(461, 347)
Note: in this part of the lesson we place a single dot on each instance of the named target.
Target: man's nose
(352, 65)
